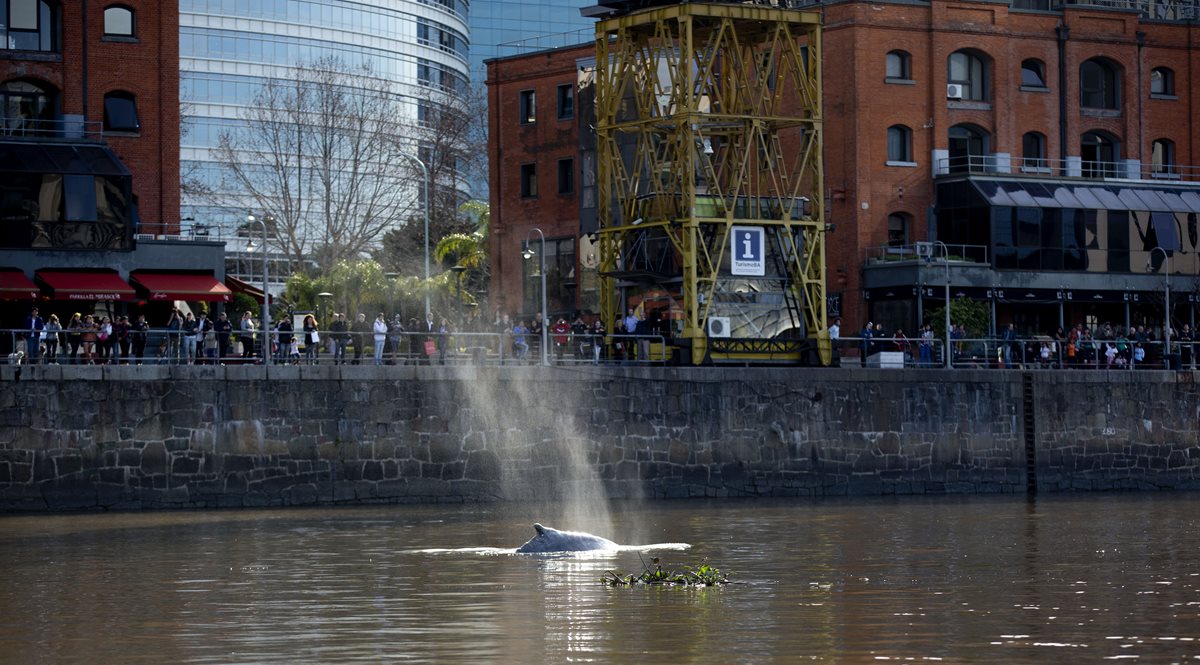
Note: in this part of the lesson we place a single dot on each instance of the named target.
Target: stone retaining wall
(183, 437)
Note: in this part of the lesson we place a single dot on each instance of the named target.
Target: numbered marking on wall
(747, 250)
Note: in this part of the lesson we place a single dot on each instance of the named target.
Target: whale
(553, 540)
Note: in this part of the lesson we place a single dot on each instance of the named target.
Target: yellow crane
(708, 126)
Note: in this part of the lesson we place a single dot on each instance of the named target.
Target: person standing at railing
(223, 327)
(443, 340)
(104, 339)
(597, 339)
(121, 332)
(88, 340)
(189, 339)
(865, 343)
(579, 333)
(1009, 344)
(206, 340)
(284, 334)
(560, 330)
(246, 335)
(520, 343)
(395, 339)
(174, 326)
(312, 339)
(52, 336)
(926, 346)
(338, 339)
(74, 337)
(631, 325)
(1185, 346)
(835, 332)
(380, 330)
(139, 331)
(32, 334)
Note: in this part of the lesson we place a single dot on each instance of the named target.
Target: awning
(68, 158)
(245, 288)
(14, 285)
(85, 284)
(181, 286)
(1092, 196)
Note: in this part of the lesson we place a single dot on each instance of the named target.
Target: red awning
(85, 284)
(14, 285)
(243, 287)
(181, 286)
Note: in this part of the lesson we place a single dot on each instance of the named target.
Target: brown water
(1002, 580)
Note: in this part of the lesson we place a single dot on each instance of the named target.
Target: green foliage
(705, 575)
(973, 315)
(242, 303)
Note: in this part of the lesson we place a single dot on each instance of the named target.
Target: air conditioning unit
(954, 91)
(925, 250)
(718, 326)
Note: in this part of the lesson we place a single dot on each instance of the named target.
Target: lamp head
(527, 253)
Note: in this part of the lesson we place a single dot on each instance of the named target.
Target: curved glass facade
(230, 48)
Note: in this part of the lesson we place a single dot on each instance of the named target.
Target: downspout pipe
(1064, 33)
(83, 48)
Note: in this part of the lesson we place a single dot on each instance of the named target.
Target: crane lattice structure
(709, 117)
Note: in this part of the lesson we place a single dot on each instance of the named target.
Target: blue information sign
(747, 251)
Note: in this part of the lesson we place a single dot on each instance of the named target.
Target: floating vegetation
(705, 575)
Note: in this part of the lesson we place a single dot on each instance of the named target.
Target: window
(899, 145)
(566, 102)
(970, 70)
(1098, 82)
(528, 107)
(897, 233)
(1033, 152)
(1162, 82)
(899, 66)
(120, 113)
(79, 198)
(28, 25)
(1162, 158)
(1033, 74)
(560, 277)
(566, 176)
(528, 181)
(118, 21)
(968, 149)
(1099, 152)
(26, 108)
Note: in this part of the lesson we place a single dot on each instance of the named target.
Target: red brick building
(89, 160)
(1044, 146)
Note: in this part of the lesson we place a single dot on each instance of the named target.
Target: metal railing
(1022, 353)
(911, 252)
(50, 129)
(1043, 167)
(168, 346)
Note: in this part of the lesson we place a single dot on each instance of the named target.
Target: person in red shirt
(560, 330)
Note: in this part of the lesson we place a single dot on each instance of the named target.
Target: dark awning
(85, 284)
(65, 158)
(14, 285)
(245, 288)
(181, 286)
(1091, 196)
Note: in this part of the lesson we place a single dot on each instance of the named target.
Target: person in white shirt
(380, 330)
(835, 331)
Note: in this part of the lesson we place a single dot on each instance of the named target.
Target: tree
(468, 252)
(973, 315)
(318, 152)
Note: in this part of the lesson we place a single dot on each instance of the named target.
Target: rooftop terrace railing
(1071, 167)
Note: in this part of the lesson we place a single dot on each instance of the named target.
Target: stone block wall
(204, 437)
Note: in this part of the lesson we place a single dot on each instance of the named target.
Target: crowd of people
(187, 338)
(1079, 347)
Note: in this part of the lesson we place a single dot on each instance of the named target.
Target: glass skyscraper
(510, 27)
(230, 48)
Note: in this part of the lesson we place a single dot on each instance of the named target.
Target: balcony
(38, 130)
(1153, 10)
(1071, 167)
(926, 252)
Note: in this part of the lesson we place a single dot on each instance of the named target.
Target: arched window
(1162, 81)
(1162, 158)
(1099, 84)
(1099, 152)
(899, 66)
(899, 144)
(120, 112)
(26, 108)
(968, 149)
(1033, 73)
(1033, 152)
(118, 21)
(897, 232)
(969, 69)
(29, 25)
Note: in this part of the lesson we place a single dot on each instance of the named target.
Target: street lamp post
(947, 352)
(1166, 301)
(266, 310)
(428, 203)
(528, 254)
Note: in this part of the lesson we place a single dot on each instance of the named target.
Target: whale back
(553, 540)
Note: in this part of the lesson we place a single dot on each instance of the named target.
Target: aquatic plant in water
(705, 575)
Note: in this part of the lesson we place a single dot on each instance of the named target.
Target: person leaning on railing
(139, 332)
